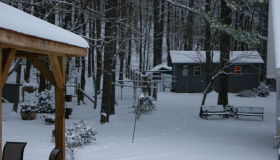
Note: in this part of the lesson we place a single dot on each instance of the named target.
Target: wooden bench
(213, 110)
(250, 111)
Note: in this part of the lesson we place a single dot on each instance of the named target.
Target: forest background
(115, 29)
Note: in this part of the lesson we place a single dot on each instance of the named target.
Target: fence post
(78, 94)
(155, 91)
(149, 87)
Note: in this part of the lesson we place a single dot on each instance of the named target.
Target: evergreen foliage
(262, 90)
(147, 108)
(45, 103)
(78, 134)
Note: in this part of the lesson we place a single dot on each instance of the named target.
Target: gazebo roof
(25, 36)
(31, 35)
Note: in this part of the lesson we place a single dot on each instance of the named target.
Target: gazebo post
(58, 67)
(5, 63)
(1, 103)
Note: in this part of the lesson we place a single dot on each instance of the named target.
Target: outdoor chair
(54, 154)
(13, 150)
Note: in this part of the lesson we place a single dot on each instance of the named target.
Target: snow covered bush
(246, 93)
(147, 108)
(78, 134)
(45, 103)
(262, 90)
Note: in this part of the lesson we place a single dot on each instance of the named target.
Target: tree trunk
(189, 30)
(27, 71)
(129, 44)
(157, 33)
(83, 78)
(207, 46)
(42, 83)
(98, 54)
(224, 55)
(141, 39)
(109, 52)
(121, 55)
(17, 89)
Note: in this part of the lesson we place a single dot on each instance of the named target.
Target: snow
(199, 56)
(276, 25)
(173, 131)
(19, 21)
(160, 67)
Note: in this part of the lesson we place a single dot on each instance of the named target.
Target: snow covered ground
(173, 131)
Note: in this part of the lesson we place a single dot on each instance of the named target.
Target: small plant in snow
(147, 108)
(246, 93)
(45, 103)
(27, 107)
(78, 134)
(262, 90)
(70, 153)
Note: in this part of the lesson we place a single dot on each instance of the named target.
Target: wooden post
(155, 91)
(145, 83)
(5, 63)
(139, 78)
(58, 67)
(1, 103)
(76, 83)
(149, 87)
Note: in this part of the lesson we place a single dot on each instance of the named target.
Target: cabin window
(237, 70)
(197, 70)
(185, 72)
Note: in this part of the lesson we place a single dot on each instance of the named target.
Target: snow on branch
(239, 35)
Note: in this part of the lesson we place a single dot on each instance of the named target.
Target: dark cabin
(190, 70)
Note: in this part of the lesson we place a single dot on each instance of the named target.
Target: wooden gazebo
(25, 36)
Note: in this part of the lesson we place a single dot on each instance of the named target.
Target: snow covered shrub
(262, 90)
(78, 134)
(45, 103)
(246, 93)
(147, 108)
(231, 109)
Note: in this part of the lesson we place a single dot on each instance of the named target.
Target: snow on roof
(160, 67)
(19, 21)
(199, 56)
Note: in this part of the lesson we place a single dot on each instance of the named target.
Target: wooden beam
(1, 87)
(30, 54)
(43, 69)
(56, 71)
(6, 63)
(11, 39)
(60, 107)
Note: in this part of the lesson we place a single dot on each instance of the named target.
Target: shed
(25, 36)
(273, 52)
(188, 66)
